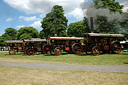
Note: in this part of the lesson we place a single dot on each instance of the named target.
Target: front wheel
(57, 51)
(96, 50)
(12, 52)
(116, 47)
(76, 48)
(31, 52)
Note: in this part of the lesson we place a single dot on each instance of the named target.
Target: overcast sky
(20, 13)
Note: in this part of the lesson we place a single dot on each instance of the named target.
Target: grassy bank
(82, 59)
(30, 76)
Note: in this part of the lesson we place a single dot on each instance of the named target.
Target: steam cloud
(90, 11)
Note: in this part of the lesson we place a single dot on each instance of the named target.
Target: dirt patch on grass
(29, 76)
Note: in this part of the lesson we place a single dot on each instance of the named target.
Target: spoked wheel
(31, 52)
(96, 51)
(116, 47)
(47, 49)
(12, 52)
(76, 48)
(57, 51)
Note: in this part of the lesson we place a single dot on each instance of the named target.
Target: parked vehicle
(67, 44)
(95, 43)
(33, 45)
(14, 46)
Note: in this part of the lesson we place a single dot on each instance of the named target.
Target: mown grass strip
(82, 59)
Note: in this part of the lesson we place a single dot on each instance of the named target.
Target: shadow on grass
(125, 62)
(84, 54)
(123, 53)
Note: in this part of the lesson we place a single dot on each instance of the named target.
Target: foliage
(110, 4)
(26, 33)
(10, 33)
(55, 19)
(77, 29)
(85, 23)
(124, 28)
(41, 34)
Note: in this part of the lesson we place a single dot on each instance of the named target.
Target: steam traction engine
(67, 44)
(96, 43)
(34, 45)
(14, 46)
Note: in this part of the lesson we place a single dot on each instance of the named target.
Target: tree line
(56, 23)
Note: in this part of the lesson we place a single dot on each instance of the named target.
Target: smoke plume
(90, 11)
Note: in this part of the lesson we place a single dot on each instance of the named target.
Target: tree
(26, 33)
(41, 34)
(85, 22)
(110, 4)
(10, 33)
(55, 19)
(2, 40)
(77, 29)
(124, 25)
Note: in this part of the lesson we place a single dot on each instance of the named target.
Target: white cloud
(9, 20)
(33, 18)
(44, 6)
(19, 26)
(125, 3)
(77, 13)
(36, 24)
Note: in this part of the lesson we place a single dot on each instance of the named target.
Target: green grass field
(82, 59)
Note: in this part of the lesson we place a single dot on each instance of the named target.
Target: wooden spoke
(96, 51)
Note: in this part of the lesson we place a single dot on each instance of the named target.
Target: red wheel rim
(57, 51)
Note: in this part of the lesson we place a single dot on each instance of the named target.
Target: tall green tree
(26, 33)
(55, 19)
(77, 29)
(10, 33)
